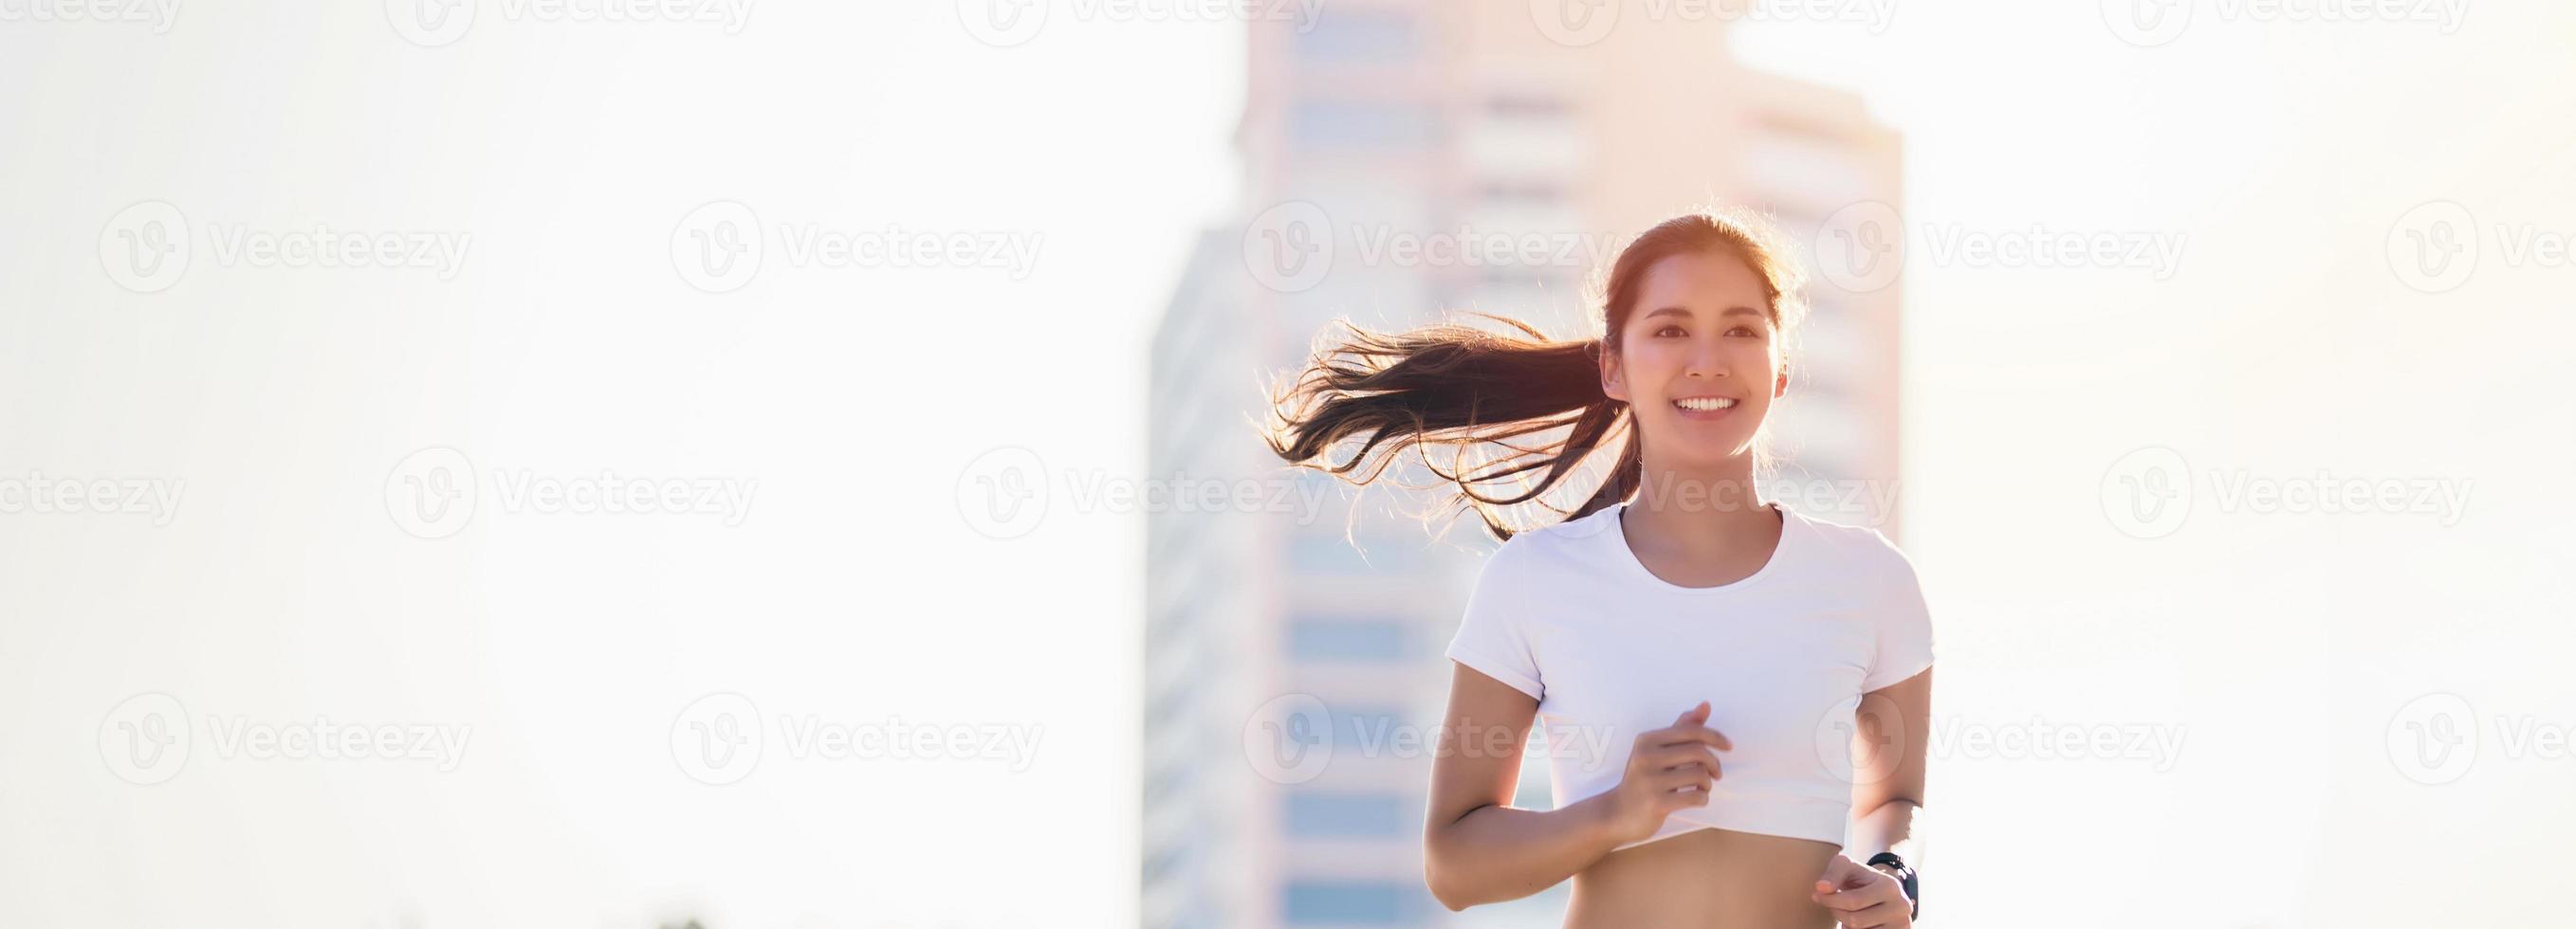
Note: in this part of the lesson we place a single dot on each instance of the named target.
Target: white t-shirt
(1568, 615)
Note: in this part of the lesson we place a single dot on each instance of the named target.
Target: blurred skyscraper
(1402, 159)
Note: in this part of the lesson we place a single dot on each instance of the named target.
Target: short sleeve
(1904, 625)
(1493, 636)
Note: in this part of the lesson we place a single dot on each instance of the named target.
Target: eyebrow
(1685, 313)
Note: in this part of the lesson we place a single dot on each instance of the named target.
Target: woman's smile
(1705, 408)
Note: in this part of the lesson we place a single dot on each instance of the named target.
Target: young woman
(1734, 692)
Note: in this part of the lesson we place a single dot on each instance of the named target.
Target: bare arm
(1887, 765)
(1480, 849)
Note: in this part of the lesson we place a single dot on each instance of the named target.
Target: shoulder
(1861, 549)
(1556, 545)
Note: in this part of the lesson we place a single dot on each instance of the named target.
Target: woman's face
(1699, 362)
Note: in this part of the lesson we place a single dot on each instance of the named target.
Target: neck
(1707, 508)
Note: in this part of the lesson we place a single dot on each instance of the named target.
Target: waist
(1706, 878)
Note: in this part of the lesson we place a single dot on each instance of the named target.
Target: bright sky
(2282, 348)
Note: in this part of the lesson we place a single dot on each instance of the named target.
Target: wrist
(1606, 816)
(1907, 880)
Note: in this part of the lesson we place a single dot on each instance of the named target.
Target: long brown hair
(1513, 411)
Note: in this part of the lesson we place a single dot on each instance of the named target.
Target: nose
(1704, 364)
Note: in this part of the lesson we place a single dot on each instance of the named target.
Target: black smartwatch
(1905, 878)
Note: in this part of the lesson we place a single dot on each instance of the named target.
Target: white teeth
(1705, 403)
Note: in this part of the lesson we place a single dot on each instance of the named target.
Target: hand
(1862, 897)
(1668, 769)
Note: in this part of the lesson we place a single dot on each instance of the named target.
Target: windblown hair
(1514, 414)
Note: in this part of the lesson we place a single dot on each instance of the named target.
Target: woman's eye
(1668, 331)
(1743, 330)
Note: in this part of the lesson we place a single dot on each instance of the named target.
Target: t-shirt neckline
(1618, 533)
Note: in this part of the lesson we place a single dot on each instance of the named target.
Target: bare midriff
(1704, 879)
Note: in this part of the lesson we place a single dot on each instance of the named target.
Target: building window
(1363, 902)
(1329, 814)
(1353, 37)
(1329, 124)
(1346, 639)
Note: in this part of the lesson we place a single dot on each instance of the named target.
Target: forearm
(1887, 828)
(1497, 853)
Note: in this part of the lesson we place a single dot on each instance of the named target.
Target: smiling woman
(1668, 615)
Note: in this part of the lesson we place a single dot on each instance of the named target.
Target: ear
(1614, 378)
(1780, 385)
